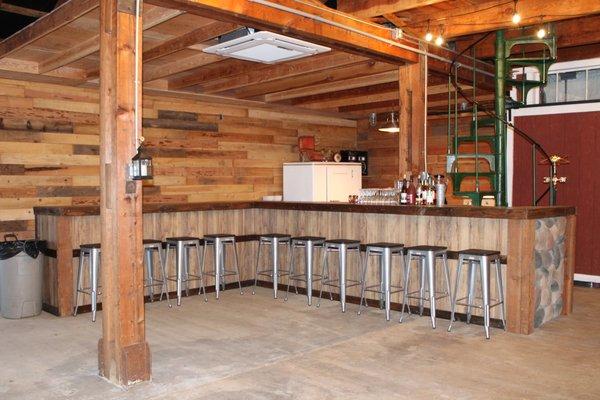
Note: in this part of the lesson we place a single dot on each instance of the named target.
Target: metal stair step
(476, 197)
(452, 160)
(549, 41)
(457, 178)
(479, 138)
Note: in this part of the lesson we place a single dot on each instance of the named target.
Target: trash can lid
(11, 248)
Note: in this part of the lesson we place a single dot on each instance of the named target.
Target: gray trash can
(21, 282)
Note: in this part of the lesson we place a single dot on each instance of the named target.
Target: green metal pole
(500, 110)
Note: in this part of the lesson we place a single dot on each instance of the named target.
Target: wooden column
(123, 354)
(520, 276)
(64, 266)
(411, 80)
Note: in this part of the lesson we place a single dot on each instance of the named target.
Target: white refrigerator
(321, 181)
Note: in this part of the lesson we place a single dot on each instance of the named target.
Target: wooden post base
(135, 364)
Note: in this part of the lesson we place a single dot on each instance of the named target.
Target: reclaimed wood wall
(202, 151)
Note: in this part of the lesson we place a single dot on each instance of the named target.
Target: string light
(428, 35)
(541, 33)
(516, 17)
(439, 40)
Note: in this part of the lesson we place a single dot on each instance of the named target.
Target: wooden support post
(123, 354)
(520, 276)
(570, 234)
(64, 266)
(411, 80)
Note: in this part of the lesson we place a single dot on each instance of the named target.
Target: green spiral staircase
(483, 163)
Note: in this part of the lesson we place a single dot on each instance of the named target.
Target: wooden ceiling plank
(50, 22)
(318, 78)
(362, 81)
(373, 8)
(196, 36)
(344, 33)
(151, 73)
(152, 16)
(278, 71)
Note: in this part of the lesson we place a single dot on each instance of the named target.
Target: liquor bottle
(404, 193)
(411, 193)
(419, 200)
(430, 192)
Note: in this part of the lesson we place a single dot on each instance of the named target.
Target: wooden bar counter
(537, 243)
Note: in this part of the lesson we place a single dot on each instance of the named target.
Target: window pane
(549, 91)
(571, 86)
(594, 84)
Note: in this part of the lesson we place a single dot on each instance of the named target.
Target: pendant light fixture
(516, 17)
(391, 125)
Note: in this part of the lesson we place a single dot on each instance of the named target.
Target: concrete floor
(254, 347)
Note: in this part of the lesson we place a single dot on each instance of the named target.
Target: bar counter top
(446, 211)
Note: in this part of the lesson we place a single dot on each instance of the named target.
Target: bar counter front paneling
(537, 243)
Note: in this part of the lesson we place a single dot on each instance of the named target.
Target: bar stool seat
(309, 244)
(91, 251)
(218, 241)
(478, 253)
(347, 242)
(426, 248)
(385, 251)
(150, 281)
(479, 258)
(274, 271)
(427, 256)
(341, 246)
(182, 244)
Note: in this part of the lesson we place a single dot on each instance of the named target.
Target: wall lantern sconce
(141, 166)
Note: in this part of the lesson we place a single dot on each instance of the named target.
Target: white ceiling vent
(266, 47)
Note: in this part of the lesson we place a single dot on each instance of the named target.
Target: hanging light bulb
(391, 125)
(516, 17)
(541, 33)
(428, 35)
(439, 40)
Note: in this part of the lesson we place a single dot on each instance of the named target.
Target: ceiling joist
(50, 22)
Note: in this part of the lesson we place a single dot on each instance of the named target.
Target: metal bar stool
(309, 243)
(384, 251)
(150, 248)
(427, 255)
(341, 246)
(92, 253)
(218, 242)
(274, 272)
(182, 245)
(482, 259)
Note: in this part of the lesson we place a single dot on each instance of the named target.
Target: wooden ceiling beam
(569, 33)
(28, 12)
(50, 22)
(202, 34)
(361, 81)
(152, 16)
(490, 16)
(326, 76)
(343, 33)
(373, 8)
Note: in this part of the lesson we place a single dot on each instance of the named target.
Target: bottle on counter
(411, 193)
(430, 195)
(404, 193)
(420, 187)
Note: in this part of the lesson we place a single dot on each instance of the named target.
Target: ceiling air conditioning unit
(264, 47)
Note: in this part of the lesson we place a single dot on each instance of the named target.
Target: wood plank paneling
(202, 151)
